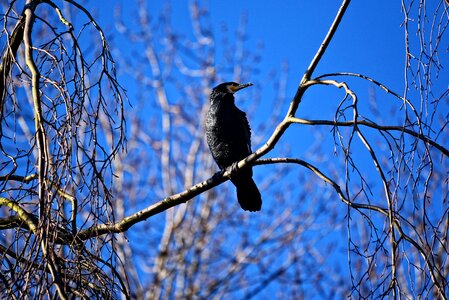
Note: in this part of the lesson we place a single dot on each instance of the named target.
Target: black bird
(229, 137)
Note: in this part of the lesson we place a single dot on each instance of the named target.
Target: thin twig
(422, 137)
(330, 34)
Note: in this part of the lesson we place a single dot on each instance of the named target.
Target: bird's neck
(223, 100)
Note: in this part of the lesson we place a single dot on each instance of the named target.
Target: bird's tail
(248, 194)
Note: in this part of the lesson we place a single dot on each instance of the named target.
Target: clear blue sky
(369, 39)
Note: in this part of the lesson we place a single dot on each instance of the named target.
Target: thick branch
(16, 221)
(43, 159)
(35, 92)
(154, 209)
(22, 214)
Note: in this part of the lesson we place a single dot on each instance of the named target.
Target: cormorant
(229, 138)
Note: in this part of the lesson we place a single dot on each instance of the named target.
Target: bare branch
(370, 124)
(330, 34)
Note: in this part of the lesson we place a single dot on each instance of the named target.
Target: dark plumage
(229, 137)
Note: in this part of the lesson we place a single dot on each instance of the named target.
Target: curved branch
(43, 159)
(422, 137)
(316, 59)
(59, 12)
(375, 82)
(16, 222)
(22, 214)
(38, 115)
(326, 179)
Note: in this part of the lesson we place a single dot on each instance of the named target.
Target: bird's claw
(218, 174)
(234, 167)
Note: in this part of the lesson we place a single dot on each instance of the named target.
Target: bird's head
(230, 87)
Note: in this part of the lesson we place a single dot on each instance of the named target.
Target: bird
(228, 135)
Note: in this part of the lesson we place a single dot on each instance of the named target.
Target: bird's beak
(240, 86)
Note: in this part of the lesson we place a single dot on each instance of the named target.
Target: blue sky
(369, 39)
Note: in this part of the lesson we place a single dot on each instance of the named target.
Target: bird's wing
(246, 130)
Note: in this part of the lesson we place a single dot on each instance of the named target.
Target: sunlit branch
(22, 214)
(314, 63)
(24, 179)
(186, 195)
(326, 41)
(43, 159)
(43, 153)
(74, 203)
(59, 12)
(154, 209)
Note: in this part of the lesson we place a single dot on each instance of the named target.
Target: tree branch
(8, 58)
(156, 208)
(314, 63)
(422, 137)
(24, 179)
(43, 152)
(22, 214)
